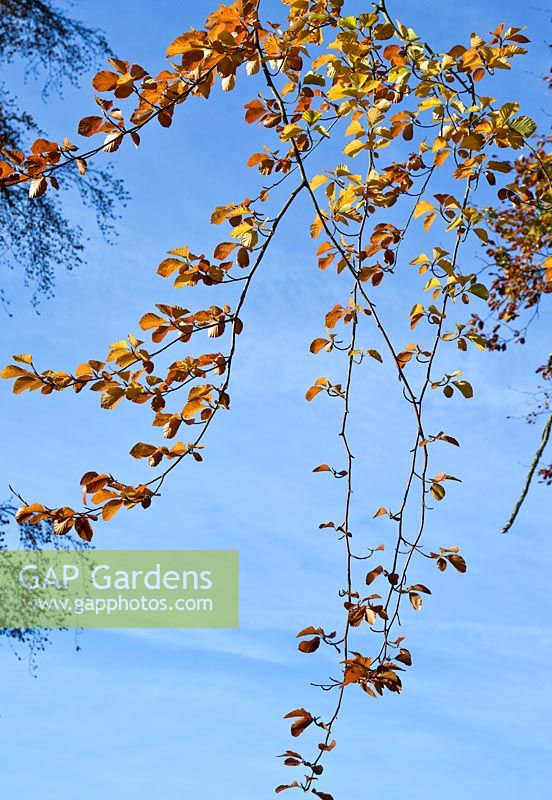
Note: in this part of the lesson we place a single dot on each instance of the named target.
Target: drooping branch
(545, 437)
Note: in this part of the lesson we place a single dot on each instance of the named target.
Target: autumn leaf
(318, 344)
(105, 81)
(309, 645)
(381, 512)
(37, 187)
(111, 508)
(415, 601)
(404, 657)
(302, 721)
(151, 320)
(465, 388)
(422, 207)
(457, 562)
(224, 249)
(373, 574)
(84, 529)
(90, 125)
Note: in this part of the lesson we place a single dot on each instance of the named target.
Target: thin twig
(534, 464)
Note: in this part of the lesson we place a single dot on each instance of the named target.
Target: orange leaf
(318, 344)
(105, 81)
(224, 249)
(111, 508)
(151, 320)
(90, 125)
(309, 645)
(371, 577)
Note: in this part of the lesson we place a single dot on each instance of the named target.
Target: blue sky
(198, 713)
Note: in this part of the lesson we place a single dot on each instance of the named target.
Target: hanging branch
(534, 464)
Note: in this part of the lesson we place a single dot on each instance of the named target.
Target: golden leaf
(151, 320)
(422, 207)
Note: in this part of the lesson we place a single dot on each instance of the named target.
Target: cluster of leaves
(369, 84)
(520, 265)
(519, 253)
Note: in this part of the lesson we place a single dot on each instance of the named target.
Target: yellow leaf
(429, 220)
(548, 269)
(421, 259)
(441, 157)
(354, 128)
(191, 408)
(422, 207)
(317, 181)
(289, 132)
(430, 102)
(111, 397)
(354, 147)
(11, 371)
(316, 227)
(168, 266)
(375, 354)
(29, 382)
(432, 283)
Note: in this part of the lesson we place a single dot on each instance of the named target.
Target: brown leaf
(63, 526)
(327, 747)
(90, 125)
(26, 512)
(404, 657)
(309, 645)
(224, 249)
(371, 577)
(302, 721)
(142, 450)
(416, 601)
(84, 529)
(457, 562)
